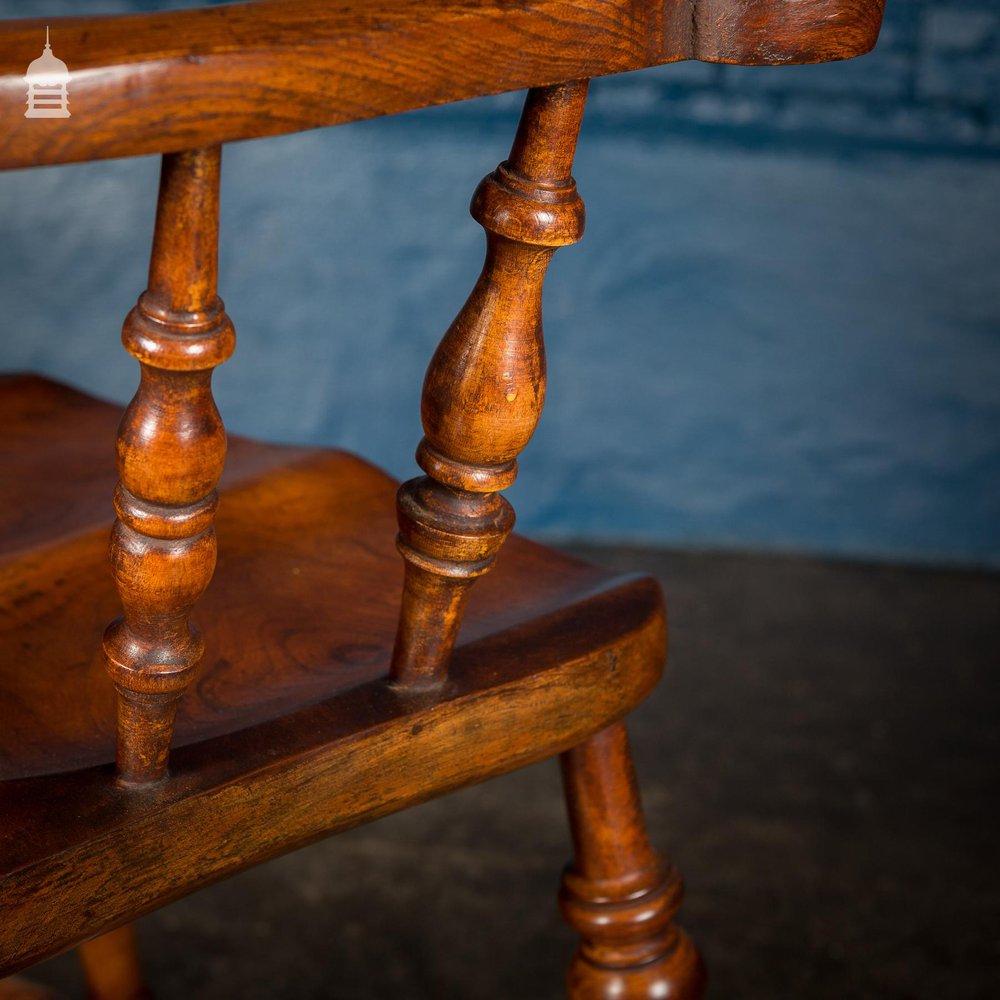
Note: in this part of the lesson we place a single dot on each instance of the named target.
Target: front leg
(620, 894)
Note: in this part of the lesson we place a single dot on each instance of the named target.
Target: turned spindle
(620, 894)
(484, 389)
(171, 450)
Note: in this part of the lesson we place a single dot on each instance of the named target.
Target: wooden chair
(312, 700)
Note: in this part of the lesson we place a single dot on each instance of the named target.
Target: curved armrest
(155, 83)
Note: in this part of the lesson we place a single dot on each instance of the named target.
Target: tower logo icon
(48, 85)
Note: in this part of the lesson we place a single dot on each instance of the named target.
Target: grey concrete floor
(821, 761)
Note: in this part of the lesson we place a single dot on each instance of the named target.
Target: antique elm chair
(313, 698)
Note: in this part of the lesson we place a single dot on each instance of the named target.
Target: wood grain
(485, 386)
(619, 893)
(301, 721)
(171, 453)
(155, 83)
(293, 732)
(303, 605)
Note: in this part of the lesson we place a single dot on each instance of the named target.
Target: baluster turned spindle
(484, 389)
(171, 450)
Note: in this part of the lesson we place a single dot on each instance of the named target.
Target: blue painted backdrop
(782, 329)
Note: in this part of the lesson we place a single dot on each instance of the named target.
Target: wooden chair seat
(303, 607)
(156, 735)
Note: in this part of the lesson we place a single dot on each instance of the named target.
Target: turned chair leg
(111, 966)
(619, 894)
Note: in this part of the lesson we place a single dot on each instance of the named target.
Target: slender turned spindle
(619, 894)
(171, 450)
(484, 389)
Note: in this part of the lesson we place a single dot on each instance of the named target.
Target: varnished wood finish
(111, 966)
(291, 732)
(485, 386)
(303, 605)
(164, 82)
(171, 452)
(619, 893)
(321, 703)
(779, 32)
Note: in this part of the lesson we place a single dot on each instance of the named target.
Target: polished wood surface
(291, 731)
(303, 605)
(619, 893)
(169, 81)
(171, 453)
(485, 386)
(331, 682)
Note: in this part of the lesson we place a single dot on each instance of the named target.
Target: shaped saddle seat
(299, 623)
